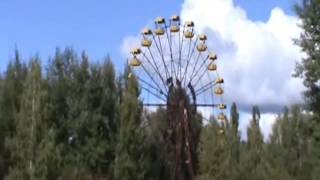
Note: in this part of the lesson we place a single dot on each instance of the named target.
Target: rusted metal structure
(175, 67)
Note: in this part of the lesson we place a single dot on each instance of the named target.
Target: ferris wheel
(174, 55)
(176, 70)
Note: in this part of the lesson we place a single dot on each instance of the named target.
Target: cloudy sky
(252, 37)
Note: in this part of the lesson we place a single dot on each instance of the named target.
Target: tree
(309, 68)
(252, 163)
(213, 153)
(309, 41)
(10, 98)
(32, 146)
(131, 158)
(234, 141)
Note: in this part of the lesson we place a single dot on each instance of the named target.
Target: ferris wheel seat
(218, 91)
(222, 117)
(219, 80)
(146, 31)
(212, 67)
(189, 24)
(160, 20)
(201, 47)
(174, 28)
(222, 106)
(212, 56)
(202, 37)
(146, 43)
(135, 62)
(159, 31)
(188, 34)
(175, 18)
(135, 51)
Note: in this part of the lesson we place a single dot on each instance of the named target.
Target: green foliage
(213, 153)
(10, 97)
(131, 157)
(309, 41)
(290, 142)
(309, 68)
(79, 120)
(32, 147)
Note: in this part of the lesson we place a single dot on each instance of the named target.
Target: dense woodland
(72, 119)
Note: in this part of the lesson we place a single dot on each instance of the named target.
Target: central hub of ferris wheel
(174, 66)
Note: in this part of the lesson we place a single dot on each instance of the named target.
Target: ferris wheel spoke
(155, 68)
(180, 50)
(189, 58)
(200, 77)
(151, 86)
(173, 69)
(194, 67)
(205, 88)
(151, 77)
(198, 70)
(153, 93)
(162, 57)
(210, 84)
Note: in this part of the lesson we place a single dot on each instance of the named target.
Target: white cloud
(266, 122)
(257, 58)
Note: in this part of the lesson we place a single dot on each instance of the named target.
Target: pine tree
(131, 158)
(213, 153)
(288, 142)
(32, 147)
(252, 167)
(109, 101)
(11, 90)
(234, 141)
(309, 68)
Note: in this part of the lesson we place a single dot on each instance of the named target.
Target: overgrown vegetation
(73, 119)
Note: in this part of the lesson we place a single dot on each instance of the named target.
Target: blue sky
(104, 27)
(99, 27)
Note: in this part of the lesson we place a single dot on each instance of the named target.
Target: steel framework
(173, 66)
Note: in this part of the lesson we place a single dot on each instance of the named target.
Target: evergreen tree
(10, 97)
(131, 158)
(59, 77)
(109, 102)
(234, 141)
(213, 153)
(32, 147)
(309, 68)
(253, 166)
(309, 41)
(288, 142)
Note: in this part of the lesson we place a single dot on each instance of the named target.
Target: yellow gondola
(160, 20)
(212, 56)
(188, 34)
(135, 51)
(175, 18)
(146, 43)
(218, 90)
(222, 106)
(201, 47)
(174, 28)
(135, 62)
(146, 31)
(222, 117)
(159, 31)
(202, 37)
(189, 24)
(219, 80)
(212, 67)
